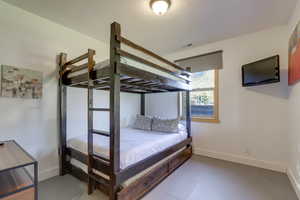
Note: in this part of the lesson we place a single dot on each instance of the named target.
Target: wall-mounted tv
(261, 72)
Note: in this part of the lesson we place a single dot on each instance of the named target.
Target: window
(204, 97)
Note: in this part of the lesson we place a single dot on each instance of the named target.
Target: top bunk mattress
(131, 63)
(135, 145)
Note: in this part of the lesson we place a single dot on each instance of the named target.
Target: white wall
(77, 110)
(294, 116)
(254, 120)
(32, 42)
(162, 104)
(253, 125)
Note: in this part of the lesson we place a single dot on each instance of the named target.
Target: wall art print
(294, 56)
(21, 83)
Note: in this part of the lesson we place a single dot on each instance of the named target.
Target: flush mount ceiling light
(160, 7)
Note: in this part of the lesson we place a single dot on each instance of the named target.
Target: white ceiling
(188, 21)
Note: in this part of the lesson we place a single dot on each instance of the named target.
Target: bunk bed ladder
(91, 181)
(91, 131)
(113, 82)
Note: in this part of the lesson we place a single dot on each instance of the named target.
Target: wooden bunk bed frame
(119, 77)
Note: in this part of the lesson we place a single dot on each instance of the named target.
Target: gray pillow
(143, 122)
(165, 125)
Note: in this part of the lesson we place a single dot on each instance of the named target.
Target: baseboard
(241, 159)
(48, 173)
(295, 183)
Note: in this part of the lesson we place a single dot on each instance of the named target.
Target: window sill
(207, 120)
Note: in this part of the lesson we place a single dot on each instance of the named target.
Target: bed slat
(104, 133)
(100, 109)
(149, 76)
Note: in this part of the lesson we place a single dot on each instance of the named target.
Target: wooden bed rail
(70, 67)
(146, 62)
(150, 161)
(150, 53)
(115, 78)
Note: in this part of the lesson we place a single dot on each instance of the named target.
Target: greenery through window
(204, 96)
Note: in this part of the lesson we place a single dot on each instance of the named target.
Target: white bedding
(135, 146)
(132, 63)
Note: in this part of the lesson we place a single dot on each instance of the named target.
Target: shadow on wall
(56, 74)
(278, 90)
(292, 87)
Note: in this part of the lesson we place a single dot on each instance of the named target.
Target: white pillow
(181, 128)
(142, 122)
(165, 125)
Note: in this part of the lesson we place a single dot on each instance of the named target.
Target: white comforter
(136, 145)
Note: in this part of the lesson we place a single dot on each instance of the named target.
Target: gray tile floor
(201, 178)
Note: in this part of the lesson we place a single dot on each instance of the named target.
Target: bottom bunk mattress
(135, 144)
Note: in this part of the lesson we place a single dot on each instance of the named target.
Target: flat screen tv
(261, 72)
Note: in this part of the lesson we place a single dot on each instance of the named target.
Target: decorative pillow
(143, 122)
(165, 125)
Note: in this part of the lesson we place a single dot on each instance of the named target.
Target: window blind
(208, 61)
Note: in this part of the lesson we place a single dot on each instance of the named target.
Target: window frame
(215, 118)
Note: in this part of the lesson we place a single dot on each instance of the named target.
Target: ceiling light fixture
(160, 7)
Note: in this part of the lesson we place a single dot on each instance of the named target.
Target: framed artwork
(21, 83)
(294, 56)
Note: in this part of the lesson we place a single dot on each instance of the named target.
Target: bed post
(91, 182)
(114, 108)
(142, 104)
(62, 118)
(188, 110)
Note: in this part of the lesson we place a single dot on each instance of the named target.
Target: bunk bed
(123, 72)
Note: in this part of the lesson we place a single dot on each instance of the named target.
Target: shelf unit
(16, 181)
